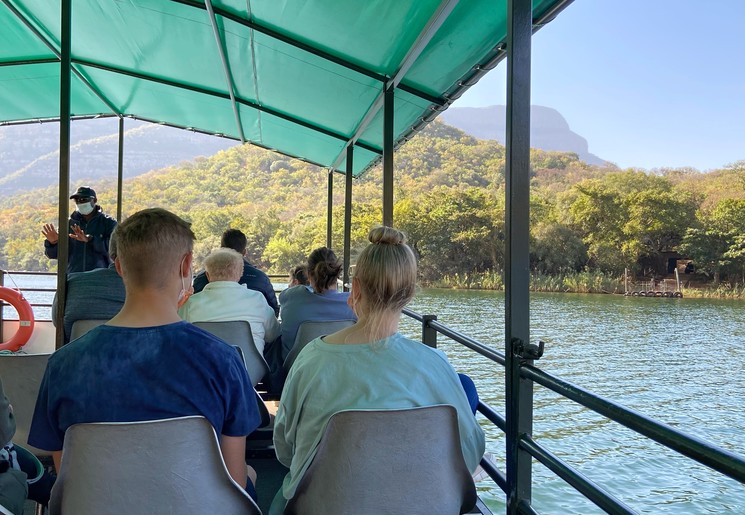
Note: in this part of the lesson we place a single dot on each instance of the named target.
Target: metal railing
(716, 458)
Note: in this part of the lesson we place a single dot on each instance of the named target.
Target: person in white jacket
(223, 299)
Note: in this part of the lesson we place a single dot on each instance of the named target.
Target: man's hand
(78, 234)
(50, 233)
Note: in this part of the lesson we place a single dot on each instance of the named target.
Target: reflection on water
(677, 360)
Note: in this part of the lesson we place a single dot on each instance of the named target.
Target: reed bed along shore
(580, 282)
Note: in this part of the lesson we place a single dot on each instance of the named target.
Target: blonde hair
(224, 264)
(386, 271)
(150, 246)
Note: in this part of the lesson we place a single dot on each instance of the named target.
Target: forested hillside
(449, 199)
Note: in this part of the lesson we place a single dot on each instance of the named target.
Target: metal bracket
(528, 351)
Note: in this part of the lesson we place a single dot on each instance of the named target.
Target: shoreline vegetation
(579, 282)
(588, 224)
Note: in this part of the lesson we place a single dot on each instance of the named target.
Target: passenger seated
(367, 366)
(16, 464)
(223, 299)
(298, 276)
(97, 294)
(146, 363)
(252, 277)
(13, 487)
(321, 302)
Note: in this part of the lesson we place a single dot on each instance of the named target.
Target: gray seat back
(22, 375)
(171, 466)
(387, 462)
(309, 331)
(80, 327)
(238, 333)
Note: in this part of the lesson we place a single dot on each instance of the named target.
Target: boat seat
(309, 331)
(387, 461)
(171, 466)
(80, 327)
(238, 333)
(22, 375)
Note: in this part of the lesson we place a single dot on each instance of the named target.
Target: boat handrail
(691, 447)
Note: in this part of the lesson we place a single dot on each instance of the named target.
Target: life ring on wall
(25, 318)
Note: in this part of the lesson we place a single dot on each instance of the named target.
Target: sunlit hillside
(449, 199)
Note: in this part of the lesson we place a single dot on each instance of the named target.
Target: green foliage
(588, 223)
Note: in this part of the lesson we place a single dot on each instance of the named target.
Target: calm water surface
(677, 360)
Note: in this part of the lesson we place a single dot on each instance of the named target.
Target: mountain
(29, 156)
(549, 130)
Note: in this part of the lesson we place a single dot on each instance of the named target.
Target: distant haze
(548, 129)
(29, 156)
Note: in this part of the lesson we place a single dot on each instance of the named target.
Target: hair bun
(386, 236)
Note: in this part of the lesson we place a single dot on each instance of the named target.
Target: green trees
(449, 199)
(716, 243)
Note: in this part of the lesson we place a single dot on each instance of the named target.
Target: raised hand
(78, 234)
(50, 233)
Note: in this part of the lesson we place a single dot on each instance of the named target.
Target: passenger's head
(324, 269)
(299, 275)
(385, 273)
(234, 239)
(153, 248)
(112, 245)
(224, 265)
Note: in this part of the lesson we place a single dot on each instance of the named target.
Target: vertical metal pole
(2, 307)
(348, 215)
(388, 156)
(64, 166)
(519, 403)
(329, 208)
(429, 335)
(120, 171)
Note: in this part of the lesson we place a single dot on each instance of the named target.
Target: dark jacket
(253, 278)
(86, 256)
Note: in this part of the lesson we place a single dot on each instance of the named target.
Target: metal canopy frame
(397, 80)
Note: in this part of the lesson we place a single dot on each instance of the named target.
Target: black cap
(84, 191)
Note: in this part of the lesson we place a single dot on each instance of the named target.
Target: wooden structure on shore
(667, 288)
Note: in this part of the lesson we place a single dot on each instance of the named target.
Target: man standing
(97, 294)
(252, 277)
(89, 231)
(146, 363)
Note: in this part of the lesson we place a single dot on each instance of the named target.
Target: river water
(677, 360)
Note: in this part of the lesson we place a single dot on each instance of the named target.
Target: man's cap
(84, 191)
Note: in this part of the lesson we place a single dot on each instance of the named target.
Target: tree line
(449, 195)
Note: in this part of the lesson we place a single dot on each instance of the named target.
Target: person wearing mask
(369, 365)
(146, 363)
(89, 232)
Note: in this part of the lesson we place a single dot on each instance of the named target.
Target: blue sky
(649, 83)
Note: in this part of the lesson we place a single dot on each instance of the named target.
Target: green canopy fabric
(302, 77)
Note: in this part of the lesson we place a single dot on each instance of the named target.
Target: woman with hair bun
(368, 366)
(319, 302)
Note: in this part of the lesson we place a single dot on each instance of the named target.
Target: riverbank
(580, 282)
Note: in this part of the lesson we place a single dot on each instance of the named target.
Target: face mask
(85, 209)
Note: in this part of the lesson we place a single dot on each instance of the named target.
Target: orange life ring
(25, 318)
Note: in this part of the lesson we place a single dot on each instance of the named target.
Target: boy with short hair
(146, 363)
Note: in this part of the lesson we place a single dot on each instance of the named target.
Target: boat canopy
(302, 77)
